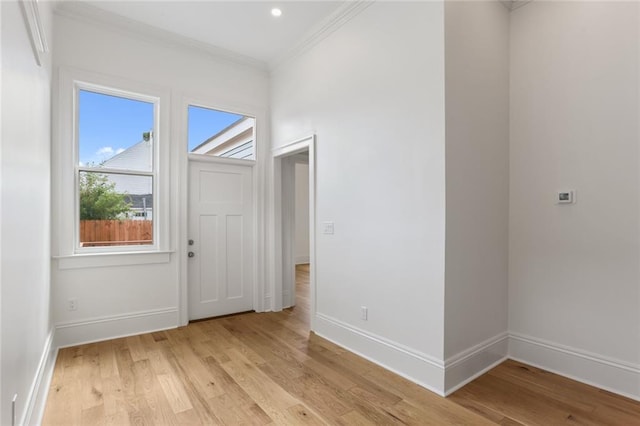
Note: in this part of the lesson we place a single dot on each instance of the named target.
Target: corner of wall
(37, 398)
(470, 364)
(610, 374)
(114, 326)
(415, 366)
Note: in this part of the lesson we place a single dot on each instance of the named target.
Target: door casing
(180, 193)
(283, 243)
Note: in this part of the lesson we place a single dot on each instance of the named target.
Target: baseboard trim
(417, 367)
(267, 304)
(302, 260)
(606, 373)
(473, 362)
(37, 398)
(112, 327)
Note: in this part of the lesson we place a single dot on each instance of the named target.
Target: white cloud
(105, 150)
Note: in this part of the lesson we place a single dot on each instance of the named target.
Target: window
(220, 133)
(115, 169)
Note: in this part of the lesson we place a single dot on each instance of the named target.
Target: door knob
(191, 254)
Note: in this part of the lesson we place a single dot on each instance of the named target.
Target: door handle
(191, 254)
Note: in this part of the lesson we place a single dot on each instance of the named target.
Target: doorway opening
(294, 175)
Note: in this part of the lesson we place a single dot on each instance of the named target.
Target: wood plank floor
(268, 369)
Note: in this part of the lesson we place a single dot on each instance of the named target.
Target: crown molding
(37, 33)
(514, 4)
(85, 12)
(346, 12)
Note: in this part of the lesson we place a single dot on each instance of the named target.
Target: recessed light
(276, 12)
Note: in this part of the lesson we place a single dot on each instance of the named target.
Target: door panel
(234, 256)
(221, 226)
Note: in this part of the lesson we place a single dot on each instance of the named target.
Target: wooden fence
(94, 233)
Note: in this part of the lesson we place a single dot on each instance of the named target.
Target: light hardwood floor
(268, 369)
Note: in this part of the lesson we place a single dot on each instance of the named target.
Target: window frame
(79, 86)
(65, 177)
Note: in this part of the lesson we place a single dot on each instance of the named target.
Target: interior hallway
(268, 369)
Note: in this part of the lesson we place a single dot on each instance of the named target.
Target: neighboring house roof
(235, 141)
(136, 157)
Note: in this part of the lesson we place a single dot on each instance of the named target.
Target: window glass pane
(115, 132)
(221, 134)
(115, 209)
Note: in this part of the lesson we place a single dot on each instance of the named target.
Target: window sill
(98, 260)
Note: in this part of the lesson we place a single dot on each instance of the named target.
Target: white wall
(25, 223)
(372, 88)
(137, 298)
(302, 212)
(573, 269)
(477, 177)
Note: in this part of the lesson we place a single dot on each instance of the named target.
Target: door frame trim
(307, 143)
(179, 132)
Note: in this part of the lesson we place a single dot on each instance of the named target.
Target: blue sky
(204, 123)
(110, 124)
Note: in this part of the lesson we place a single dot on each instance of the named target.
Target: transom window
(221, 134)
(115, 169)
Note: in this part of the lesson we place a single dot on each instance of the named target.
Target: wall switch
(327, 228)
(364, 313)
(72, 304)
(566, 197)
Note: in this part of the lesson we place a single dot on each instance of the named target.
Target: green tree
(99, 199)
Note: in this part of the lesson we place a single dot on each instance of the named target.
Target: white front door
(221, 239)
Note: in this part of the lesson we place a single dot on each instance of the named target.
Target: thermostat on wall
(566, 197)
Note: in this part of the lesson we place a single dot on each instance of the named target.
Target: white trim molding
(473, 362)
(282, 258)
(593, 369)
(512, 5)
(100, 260)
(37, 398)
(183, 158)
(294, 147)
(65, 168)
(345, 13)
(422, 369)
(37, 34)
(116, 326)
(85, 12)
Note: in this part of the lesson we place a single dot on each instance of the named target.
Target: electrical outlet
(72, 304)
(364, 313)
(566, 197)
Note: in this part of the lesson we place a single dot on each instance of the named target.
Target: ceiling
(246, 28)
